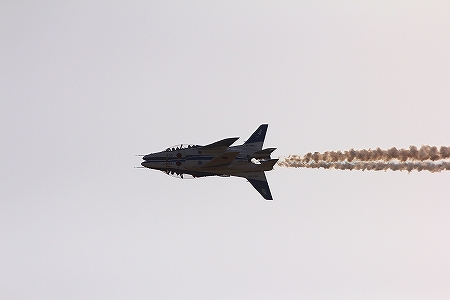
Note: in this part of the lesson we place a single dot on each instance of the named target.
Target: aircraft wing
(259, 182)
(222, 144)
(222, 160)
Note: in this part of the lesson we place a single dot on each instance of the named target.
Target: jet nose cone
(146, 157)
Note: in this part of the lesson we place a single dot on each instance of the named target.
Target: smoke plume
(427, 158)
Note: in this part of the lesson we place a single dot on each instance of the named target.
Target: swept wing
(222, 160)
(222, 144)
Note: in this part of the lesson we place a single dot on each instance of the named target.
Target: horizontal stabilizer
(262, 187)
(259, 182)
(222, 160)
(268, 165)
(263, 153)
(222, 144)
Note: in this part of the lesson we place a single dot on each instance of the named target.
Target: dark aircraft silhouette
(219, 159)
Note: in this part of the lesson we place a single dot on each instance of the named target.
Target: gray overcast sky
(86, 85)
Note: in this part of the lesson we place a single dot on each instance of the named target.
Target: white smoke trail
(427, 158)
(374, 166)
(424, 153)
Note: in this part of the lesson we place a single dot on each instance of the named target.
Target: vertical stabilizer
(256, 140)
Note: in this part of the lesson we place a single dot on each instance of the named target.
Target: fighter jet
(248, 160)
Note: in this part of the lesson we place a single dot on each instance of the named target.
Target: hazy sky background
(86, 85)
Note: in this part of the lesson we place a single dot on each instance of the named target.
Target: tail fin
(256, 140)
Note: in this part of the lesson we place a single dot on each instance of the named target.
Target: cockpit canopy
(180, 147)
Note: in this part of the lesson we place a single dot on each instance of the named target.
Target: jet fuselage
(218, 159)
